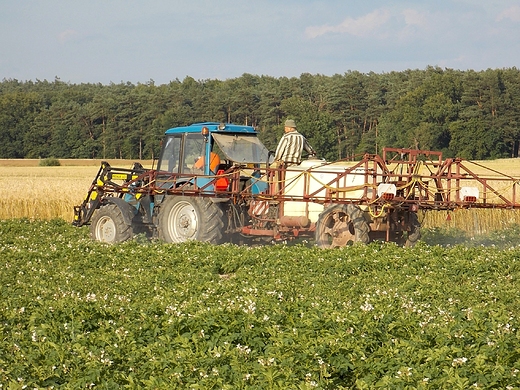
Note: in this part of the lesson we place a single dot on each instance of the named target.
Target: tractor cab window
(183, 153)
(169, 160)
(242, 148)
(194, 149)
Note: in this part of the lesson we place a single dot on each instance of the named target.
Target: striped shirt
(291, 146)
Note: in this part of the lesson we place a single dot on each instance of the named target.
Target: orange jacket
(214, 162)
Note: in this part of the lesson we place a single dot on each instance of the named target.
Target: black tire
(341, 225)
(108, 225)
(183, 218)
(414, 234)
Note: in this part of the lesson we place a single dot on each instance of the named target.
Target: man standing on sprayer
(291, 145)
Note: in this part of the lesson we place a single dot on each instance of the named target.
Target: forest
(468, 114)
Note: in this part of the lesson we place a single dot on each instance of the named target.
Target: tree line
(469, 114)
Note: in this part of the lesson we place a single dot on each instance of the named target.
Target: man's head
(290, 125)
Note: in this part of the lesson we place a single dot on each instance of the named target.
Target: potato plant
(80, 314)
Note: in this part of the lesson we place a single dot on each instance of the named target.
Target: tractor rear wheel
(108, 225)
(340, 225)
(184, 218)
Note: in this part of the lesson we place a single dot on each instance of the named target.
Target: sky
(138, 41)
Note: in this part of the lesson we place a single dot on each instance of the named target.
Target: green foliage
(463, 113)
(78, 314)
(421, 117)
(49, 162)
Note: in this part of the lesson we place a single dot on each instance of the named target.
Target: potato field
(146, 315)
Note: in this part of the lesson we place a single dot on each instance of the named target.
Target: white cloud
(67, 35)
(414, 18)
(512, 13)
(363, 26)
(414, 22)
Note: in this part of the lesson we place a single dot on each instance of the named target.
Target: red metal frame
(424, 181)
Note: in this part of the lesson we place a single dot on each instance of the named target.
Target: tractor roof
(213, 127)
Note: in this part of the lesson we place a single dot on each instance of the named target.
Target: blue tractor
(189, 196)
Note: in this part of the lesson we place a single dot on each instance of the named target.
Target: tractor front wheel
(183, 218)
(108, 225)
(341, 225)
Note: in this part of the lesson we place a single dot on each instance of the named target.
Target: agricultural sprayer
(214, 182)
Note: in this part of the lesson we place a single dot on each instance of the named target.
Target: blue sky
(104, 41)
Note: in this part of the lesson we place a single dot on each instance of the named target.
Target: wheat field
(480, 221)
(28, 190)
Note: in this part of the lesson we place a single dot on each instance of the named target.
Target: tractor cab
(210, 147)
(214, 157)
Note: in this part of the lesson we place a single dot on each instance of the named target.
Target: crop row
(78, 314)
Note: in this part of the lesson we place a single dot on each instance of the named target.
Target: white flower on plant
(243, 349)
(366, 307)
(106, 361)
(266, 362)
(507, 328)
(251, 307)
(459, 361)
(406, 372)
(91, 297)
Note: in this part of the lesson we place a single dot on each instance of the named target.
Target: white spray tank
(314, 175)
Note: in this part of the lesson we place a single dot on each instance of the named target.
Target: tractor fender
(127, 210)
